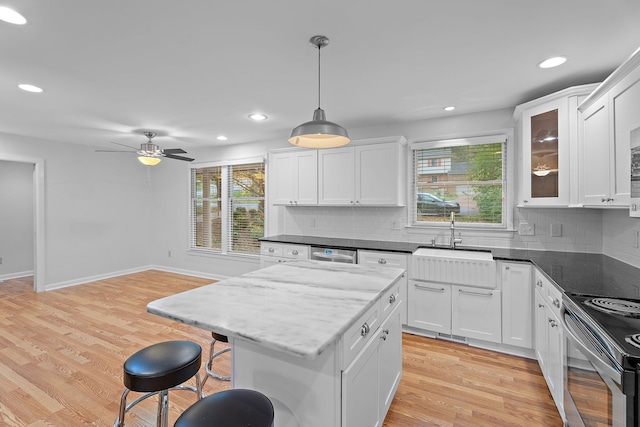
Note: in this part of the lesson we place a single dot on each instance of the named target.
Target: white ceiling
(192, 70)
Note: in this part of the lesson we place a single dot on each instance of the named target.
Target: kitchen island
(321, 340)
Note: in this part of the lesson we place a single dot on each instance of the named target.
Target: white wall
(96, 208)
(16, 219)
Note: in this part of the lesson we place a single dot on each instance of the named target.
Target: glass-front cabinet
(548, 131)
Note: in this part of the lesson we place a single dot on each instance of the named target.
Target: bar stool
(213, 354)
(156, 370)
(229, 408)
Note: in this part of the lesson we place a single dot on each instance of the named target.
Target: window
(463, 176)
(227, 207)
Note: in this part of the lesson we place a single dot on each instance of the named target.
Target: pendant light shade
(319, 133)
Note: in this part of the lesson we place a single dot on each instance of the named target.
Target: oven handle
(601, 366)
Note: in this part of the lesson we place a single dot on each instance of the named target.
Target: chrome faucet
(454, 240)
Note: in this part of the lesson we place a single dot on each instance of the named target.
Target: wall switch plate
(556, 230)
(396, 225)
(526, 229)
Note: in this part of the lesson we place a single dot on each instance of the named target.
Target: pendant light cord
(319, 46)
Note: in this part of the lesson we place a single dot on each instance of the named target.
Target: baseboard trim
(16, 275)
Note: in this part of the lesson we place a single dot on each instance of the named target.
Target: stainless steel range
(602, 361)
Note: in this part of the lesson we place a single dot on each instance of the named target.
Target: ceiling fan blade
(171, 156)
(128, 146)
(173, 151)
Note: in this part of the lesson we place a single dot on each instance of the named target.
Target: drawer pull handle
(479, 294)
(382, 261)
(392, 299)
(427, 288)
(364, 330)
(556, 302)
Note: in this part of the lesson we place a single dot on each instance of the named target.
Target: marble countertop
(300, 307)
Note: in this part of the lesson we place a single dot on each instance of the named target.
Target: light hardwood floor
(61, 355)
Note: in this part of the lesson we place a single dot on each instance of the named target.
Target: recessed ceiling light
(449, 108)
(11, 16)
(552, 62)
(30, 88)
(221, 138)
(257, 117)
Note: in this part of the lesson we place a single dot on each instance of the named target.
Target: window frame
(502, 135)
(226, 242)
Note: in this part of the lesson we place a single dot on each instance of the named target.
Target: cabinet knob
(271, 250)
(290, 202)
(507, 268)
(382, 261)
(392, 299)
(540, 305)
(553, 323)
(383, 337)
(525, 201)
(364, 330)
(604, 199)
(385, 331)
(556, 302)
(539, 283)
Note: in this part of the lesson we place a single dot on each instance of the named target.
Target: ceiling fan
(149, 153)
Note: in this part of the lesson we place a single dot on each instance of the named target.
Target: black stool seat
(219, 337)
(162, 366)
(229, 408)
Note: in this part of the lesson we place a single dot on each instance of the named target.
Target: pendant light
(319, 133)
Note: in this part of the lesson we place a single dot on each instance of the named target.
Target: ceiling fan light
(149, 161)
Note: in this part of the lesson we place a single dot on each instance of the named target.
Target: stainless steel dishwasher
(334, 255)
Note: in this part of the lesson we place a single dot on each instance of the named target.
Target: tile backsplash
(581, 230)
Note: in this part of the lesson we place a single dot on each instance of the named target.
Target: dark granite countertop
(592, 274)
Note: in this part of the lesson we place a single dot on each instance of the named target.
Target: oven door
(593, 392)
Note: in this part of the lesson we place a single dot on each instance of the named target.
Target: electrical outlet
(526, 229)
(556, 230)
(169, 254)
(396, 225)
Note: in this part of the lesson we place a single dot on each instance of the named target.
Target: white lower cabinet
(475, 313)
(549, 338)
(393, 260)
(455, 310)
(517, 304)
(370, 381)
(429, 306)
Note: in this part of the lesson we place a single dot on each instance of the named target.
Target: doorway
(37, 194)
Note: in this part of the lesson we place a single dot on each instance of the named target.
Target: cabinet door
(541, 342)
(336, 176)
(475, 313)
(429, 306)
(281, 178)
(625, 102)
(306, 177)
(378, 175)
(595, 152)
(517, 304)
(390, 361)
(360, 388)
(545, 153)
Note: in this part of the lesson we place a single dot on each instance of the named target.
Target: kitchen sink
(456, 266)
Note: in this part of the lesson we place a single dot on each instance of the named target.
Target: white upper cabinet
(609, 116)
(293, 177)
(370, 173)
(548, 132)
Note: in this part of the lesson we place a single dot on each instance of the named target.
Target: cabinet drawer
(551, 294)
(296, 252)
(355, 338)
(386, 259)
(271, 249)
(390, 300)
